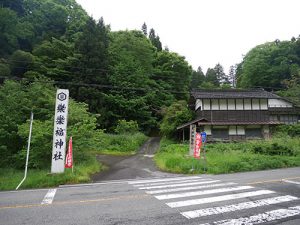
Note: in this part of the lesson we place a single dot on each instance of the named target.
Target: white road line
(205, 192)
(189, 188)
(292, 182)
(163, 179)
(170, 182)
(218, 198)
(235, 207)
(262, 217)
(49, 197)
(179, 185)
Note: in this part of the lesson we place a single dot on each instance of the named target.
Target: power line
(93, 85)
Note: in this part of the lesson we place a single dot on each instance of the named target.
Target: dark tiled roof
(241, 123)
(233, 93)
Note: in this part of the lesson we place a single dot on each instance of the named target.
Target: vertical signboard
(203, 136)
(60, 131)
(192, 138)
(197, 148)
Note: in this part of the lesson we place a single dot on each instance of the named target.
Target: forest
(113, 75)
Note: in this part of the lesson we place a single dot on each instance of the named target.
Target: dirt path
(140, 165)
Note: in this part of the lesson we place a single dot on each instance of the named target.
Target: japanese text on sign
(60, 131)
(197, 146)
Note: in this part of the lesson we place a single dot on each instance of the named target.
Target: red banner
(197, 148)
(69, 157)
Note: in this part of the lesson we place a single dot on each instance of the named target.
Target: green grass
(10, 178)
(230, 157)
(105, 144)
(121, 144)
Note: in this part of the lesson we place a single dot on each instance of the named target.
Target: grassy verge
(10, 178)
(231, 157)
(105, 144)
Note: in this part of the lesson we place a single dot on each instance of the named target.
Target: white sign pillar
(192, 138)
(60, 131)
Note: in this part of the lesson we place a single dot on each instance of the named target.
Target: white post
(28, 148)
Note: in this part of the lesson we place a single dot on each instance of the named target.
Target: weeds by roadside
(231, 157)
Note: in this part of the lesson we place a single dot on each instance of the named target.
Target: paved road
(131, 167)
(266, 197)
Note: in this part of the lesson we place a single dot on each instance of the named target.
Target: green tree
(131, 57)
(198, 78)
(173, 73)
(211, 77)
(21, 62)
(8, 31)
(16, 5)
(174, 116)
(268, 65)
(144, 29)
(155, 40)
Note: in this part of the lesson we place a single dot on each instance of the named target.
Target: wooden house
(235, 114)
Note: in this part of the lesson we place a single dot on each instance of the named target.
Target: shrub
(127, 127)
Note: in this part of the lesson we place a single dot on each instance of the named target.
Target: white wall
(240, 130)
(215, 104)
(231, 104)
(264, 104)
(247, 104)
(198, 104)
(239, 104)
(232, 130)
(223, 104)
(255, 104)
(279, 103)
(206, 104)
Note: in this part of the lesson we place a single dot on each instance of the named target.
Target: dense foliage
(273, 65)
(120, 75)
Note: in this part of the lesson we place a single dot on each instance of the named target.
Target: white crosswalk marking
(173, 182)
(164, 179)
(179, 185)
(49, 197)
(205, 192)
(189, 188)
(218, 198)
(239, 206)
(261, 218)
(185, 188)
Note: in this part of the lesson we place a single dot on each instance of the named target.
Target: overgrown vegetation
(231, 157)
(18, 99)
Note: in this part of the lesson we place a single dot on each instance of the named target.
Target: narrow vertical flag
(69, 157)
(197, 146)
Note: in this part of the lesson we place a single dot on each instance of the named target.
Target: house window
(253, 133)
(220, 133)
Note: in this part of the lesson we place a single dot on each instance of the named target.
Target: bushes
(127, 127)
(116, 144)
(231, 157)
(290, 130)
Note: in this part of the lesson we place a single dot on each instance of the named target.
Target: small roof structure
(196, 121)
